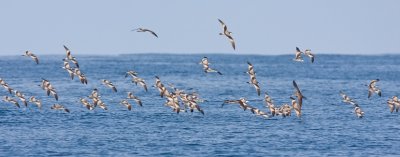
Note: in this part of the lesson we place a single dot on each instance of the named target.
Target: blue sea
(328, 127)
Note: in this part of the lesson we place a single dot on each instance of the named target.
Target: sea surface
(328, 127)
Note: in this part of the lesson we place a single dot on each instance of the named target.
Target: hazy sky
(189, 26)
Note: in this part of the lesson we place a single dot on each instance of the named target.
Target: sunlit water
(327, 127)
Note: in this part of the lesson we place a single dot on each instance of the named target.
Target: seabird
(309, 54)
(46, 85)
(33, 56)
(269, 103)
(258, 112)
(126, 104)
(396, 103)
(37, 102)
(21, 97)
(8, 88)
(298, 57)
(391, 105)
(131, 73)
(206, 66)
(137, 100)
(298, 94)
(347, 99)
(11, 100)
(250, 69)
(173, 102)
(86, 104)
(285, 110)
(242, 103)
(359, 113)
(161, 87)
(138, 80)
(254, 82)
(372, 88)
(296, 107)
(101, 104)
(59, 107)
(109, 84)
(145, 30)
(70, 57)
(227, 33)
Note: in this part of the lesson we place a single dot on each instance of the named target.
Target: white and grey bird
(269, 104)
(109, 84)
(145, 30)
(131, 73)
(33, 56)
(359, 113)
(140, 81)
(254, 82)
(7, 87)
(86, 104)
(137, 100)
(206, 66)
(298, 94)
(308, 53)
(227, 33)
(21, 97)
(347, 99)
(59, 107)
(258, 112)
(296, 107)
(126, 104)
(70, 57)
(298, 57)
(11, 100)
(373, 88)
(242, 103)
(37, 102)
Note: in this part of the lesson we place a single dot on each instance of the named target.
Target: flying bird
(206, 66)
(298, 94)
(309, 54)
(11, 100)
(131, 73)
(137, 100)
(359, 113)
(138, 80)
(145, 30)
(126, 104)
(109, 84)
(254, 82)
(37, 102)
(70, 57)
(298, 57)
(33, 56)
(372, 88)
(59, 107)
(227, 33)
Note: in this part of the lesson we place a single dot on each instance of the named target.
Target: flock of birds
(178, 100)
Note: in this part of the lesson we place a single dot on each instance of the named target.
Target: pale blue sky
(188, 26)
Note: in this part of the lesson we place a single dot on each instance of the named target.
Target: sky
(268, 27)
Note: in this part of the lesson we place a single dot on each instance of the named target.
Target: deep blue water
(327, 127)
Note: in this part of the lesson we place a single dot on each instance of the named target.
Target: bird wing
(257, 89)
(35, 59)
(370, 92)
(152, 32)
(232, 41)
(223, 25)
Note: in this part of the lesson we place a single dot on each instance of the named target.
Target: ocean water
(328, 127)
